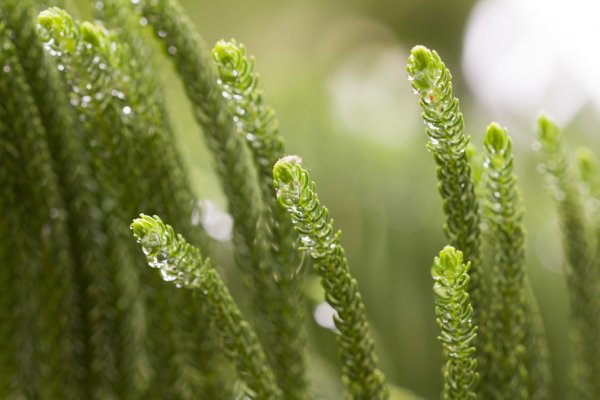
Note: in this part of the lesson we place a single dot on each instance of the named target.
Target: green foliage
(582, 270)
(455, 318)
(39, 284)
(86, 145)
(183, 265)
(93, 74)
(256, 122)
(431, 80)
(232, 157)
(512, 348)
(512, 308)
(296, 193)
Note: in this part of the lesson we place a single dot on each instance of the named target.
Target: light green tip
(587, 162)
(424, 68)
(142, 226)
(449, 265)
(548, 130)
(147, 231)
(420, 58)
(226, 52)
(586, 157)
(496, 138)
(450, 257)
(92, 34)
(52, 19)
(285, 170)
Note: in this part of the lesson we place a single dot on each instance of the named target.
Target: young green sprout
(455, 318)
(182, 264)
(297, 194)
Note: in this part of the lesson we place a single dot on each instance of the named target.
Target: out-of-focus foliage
(334, 72)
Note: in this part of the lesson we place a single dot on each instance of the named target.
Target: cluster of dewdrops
(174, 266)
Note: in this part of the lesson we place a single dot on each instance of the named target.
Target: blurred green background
(335, 73)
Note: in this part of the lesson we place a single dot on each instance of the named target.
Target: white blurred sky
(526, 56)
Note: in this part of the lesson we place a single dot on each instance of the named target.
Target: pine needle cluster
(511, 340)
(86, 147)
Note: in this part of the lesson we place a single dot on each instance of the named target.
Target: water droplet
(143, 21)
(60, 67)
(429, 97)
(162, 34)
(306, 240)
(99, 5)
(126, 110)
(6, 68)
(135, 1)
(172, 50)
(167, 276)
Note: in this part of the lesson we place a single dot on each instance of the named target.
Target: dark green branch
(256, 122)
(296, 193)
(582, 277)
(454, 316)
(511, 334)
(40, 352)
(232, 157)
(431, 81)
(183, 265)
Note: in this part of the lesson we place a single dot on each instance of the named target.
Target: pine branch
(233, 161)
(256, 122)
(579, 245)
(183, 265)
(510, 328)
(71, 164)
(41, 351)
(296, 193)
(155, 154)
(454, 316)
(537, 354)
(89, 64)
(431, 80)
(156, 151)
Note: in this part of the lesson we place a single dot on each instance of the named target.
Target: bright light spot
(524, 57)
(324, 314)
(363, 101)
(218, 224)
